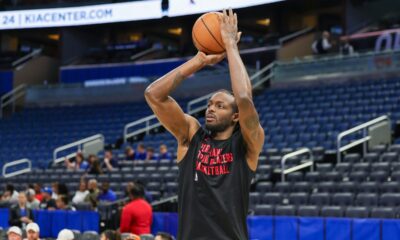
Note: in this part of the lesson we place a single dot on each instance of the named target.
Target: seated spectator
(77, 163)
(62, 203)
(164, 154)
(141, 152)
(109, 163)
(10, 194)
(110, 235)
(129, 153)
(20, 214)
(54, 190)
(107, 195)
(32, 231)
(65, 234)
(81, 194)
(14, 233)
(150, 154)
(38, 191)
(93, 193)
(346, 48)
(47, 203)
(94, 165)
(32, 203)
(323, 44)
(163, 236)
(137, 215)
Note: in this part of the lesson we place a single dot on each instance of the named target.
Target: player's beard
(219, 127)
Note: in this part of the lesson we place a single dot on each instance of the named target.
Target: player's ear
(235, 117)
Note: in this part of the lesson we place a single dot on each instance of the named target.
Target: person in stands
(137, 215)
(323, 44)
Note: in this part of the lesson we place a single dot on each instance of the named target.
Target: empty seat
(358, 176)
(383, 212)
(308, 211)
(285, 210)
(389, 187)
(377, 149)
(380, 166)
(356, 212)
(300, 198)
(390, 157)
(255, 198)
(395, 176)
(295, 177)
(324, 167)
(379, 176)
(343, 167)
(371, 157)
(264, 209)
(347, 187)
(302, 187)
(332, 176)
(361, 167)
(326, 187)
(272, 198)
(312, 176)
(390, 199)
(395, 148)
(352, 158)
(368, 187)
(367, 199)
(264, 171)
(283, 187)
(342, 199)
(331, 211)
(264, 187)
(320, 199)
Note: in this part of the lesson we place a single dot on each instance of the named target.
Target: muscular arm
(251, 129)
(167, 110)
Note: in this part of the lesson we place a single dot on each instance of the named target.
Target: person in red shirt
(137, 215)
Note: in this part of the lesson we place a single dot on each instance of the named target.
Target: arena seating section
(293, 117)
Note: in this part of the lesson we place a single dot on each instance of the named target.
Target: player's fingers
(235, 21)
(231, 16)
(225, 16)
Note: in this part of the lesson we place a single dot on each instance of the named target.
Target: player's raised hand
(229, 28)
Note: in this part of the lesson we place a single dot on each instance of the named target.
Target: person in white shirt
(32, 203)
(81, 194)
(322, 45)
(10, 194)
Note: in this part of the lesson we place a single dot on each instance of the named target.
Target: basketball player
(216, 164)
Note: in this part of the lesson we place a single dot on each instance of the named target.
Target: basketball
(206, 34)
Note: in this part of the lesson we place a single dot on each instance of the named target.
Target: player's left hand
(210, 59)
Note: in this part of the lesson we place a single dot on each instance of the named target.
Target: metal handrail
(142, 130)
(301, 151)
(18, 172)
(363, 140)
(34, 53)
(11, 97)
(78, 144)
(294, 35)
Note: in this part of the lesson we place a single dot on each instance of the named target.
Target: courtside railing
(27, 169)
(78, 146)
(11, 97)
(305, 163)
(365, 138)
